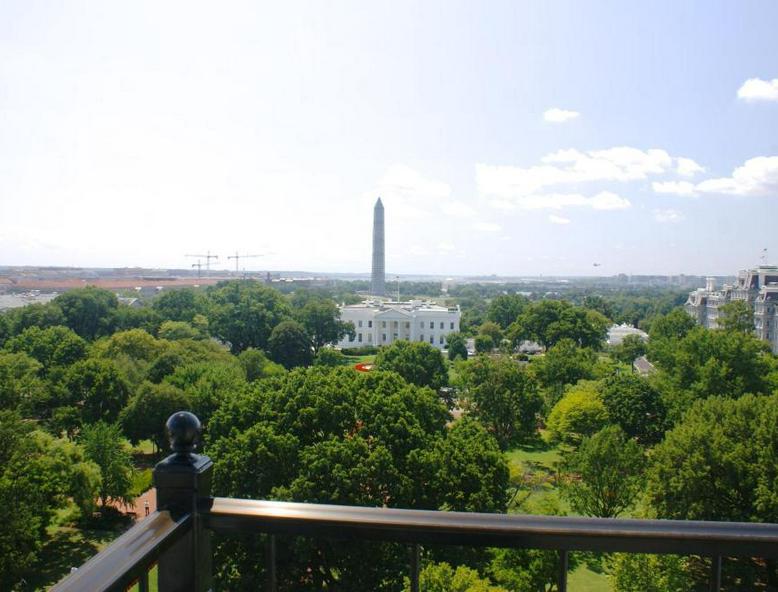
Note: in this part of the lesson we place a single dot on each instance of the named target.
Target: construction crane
(238, 257)
(207, 258)
(199, 266)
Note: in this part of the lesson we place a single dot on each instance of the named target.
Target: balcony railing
(177, 538)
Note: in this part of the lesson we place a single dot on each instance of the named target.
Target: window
(359, 323)
(421, 337)
(421, 325)
(351, 338)
(370, 338)
(370, 323)
(432, 339)
(452, 325)
(441, 324)
(407, 324)
(383, 324)
(432, 324)
(394, 336)
(442, 341)
(383, 336)
(359, 337)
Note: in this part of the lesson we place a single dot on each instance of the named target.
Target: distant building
(642, 366)
(383, 323)
(758, 287)
(617, 333)
(378, 275)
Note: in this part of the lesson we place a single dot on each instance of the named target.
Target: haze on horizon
(510, 138)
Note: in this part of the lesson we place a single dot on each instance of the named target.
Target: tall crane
(207, 258)
(199, 266)
(238, 257)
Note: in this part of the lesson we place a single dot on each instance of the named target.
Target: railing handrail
(128, 557)
(479, 529)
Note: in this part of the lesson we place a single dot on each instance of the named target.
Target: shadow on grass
(71, 546)
(535, 445)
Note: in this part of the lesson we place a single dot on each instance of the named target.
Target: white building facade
(382, 323)
(758, 287)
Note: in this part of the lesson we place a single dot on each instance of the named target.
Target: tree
(442, 577)
(506, 308)
(20, 385)
(330, 357)
(736, 316)
(502, 396)
(55, 347)
(88, 311)
(483, 344)
(179, 305)
(256, 365)
(636, 572)
(492, 330)
(39, 475)
(105, 446)
(417, 362)
(631, 348)
(608, 471)
(665, 332)
(37, 315)
(129, 317)
(97, 387)
(550, 321)
(720, 463)
(333, 435)
(457, 346)
(578, 414)
(175, 330)
(147, 411)
(290, 345)
(563, 364)
(321, 319)
(243, 313)
(636, 406)
(599, 304)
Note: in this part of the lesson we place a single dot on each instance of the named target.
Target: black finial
(183, 429)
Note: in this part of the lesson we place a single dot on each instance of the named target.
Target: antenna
(207, 258)
(763, 258)
(238, 257)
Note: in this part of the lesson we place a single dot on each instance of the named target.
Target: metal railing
(178, 537)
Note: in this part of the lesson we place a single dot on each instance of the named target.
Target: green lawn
(583, 579)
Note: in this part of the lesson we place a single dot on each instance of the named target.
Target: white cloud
(458, 209)
(677, 187)
(554, 219)
(571, 166)
(487, 227)
(757, 176)
(668, 216)
(605, 200)
(402, 180)
(556, 115)
(686, 167)
(756, 89)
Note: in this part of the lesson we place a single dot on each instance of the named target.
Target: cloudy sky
(503, 137)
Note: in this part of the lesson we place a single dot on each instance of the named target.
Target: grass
(583, 579)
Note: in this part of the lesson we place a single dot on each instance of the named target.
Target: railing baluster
(715, 573)
(143, 582)
(415, 567)
(564, 561)
(270, 563)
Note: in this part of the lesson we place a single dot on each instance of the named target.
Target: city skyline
(522, 139)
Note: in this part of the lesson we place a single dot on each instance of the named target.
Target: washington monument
(379, 275)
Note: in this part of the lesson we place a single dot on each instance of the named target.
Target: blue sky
(513, 138)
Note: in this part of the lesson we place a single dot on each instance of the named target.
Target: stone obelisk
(378, 278)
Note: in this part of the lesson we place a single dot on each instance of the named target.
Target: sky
(511, 138)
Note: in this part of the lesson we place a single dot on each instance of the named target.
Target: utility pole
(238, 257)
(207, 258)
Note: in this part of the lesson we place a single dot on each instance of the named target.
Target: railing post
(715, 573)
(183, 482)
(564, 563)
(415, 556)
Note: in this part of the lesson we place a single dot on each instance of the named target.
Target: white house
(383, 323)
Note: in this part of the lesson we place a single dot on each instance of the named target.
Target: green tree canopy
(257, 365)
(442, 577)
(243, 313)
(54, 347)
(630, 348)
(97, 387)
(147, 411)
(88, 311)
(417, 362)
(579, 413)
(457, 346)
(506, 308)
(502, 396)
(549, 321)
(105, 446)
(290, 345)
(180, 304)
(321, 319)
(608, 472)
(636, 406)
(36, 315)
(483, 344)
(736, 316)
(563, 364)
